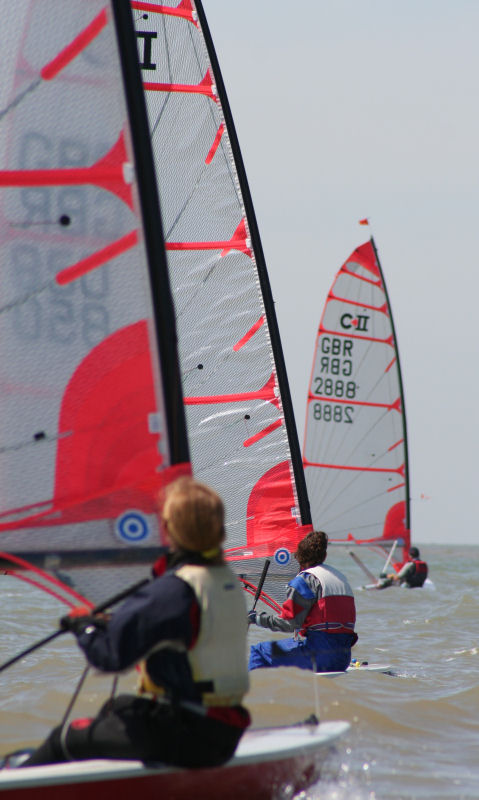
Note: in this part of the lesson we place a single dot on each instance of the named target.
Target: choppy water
(413, 735)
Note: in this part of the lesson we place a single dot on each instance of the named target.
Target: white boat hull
(265, 760)
(385, 668)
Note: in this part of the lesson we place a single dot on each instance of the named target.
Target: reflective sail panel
(239, 433)
(83, 438)
(355, 448)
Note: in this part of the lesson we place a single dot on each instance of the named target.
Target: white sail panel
(235, 414)
(355, 450)
(82, 422)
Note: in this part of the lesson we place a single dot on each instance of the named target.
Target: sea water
(414, 733)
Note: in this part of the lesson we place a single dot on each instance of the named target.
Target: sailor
(186, 632)
(413, 573)
(320, 610)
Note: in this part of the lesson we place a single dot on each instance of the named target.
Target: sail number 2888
(336, 388)
(332, 413)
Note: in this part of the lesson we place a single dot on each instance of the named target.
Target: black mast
(401, 391)
(290, 421)
(152, 227)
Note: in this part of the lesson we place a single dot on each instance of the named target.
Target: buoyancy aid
(335, 611)
(218, 657)
(420, 574)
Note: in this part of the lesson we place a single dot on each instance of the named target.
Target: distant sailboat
(355, 448)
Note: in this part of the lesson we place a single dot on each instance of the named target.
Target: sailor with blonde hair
(185, 631)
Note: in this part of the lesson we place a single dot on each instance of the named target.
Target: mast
(154, 239)
(401, 390)
(282, 377)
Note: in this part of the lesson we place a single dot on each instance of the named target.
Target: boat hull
(265, 760)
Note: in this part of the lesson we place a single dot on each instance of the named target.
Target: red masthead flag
(364, 221)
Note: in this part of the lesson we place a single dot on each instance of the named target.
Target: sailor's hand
(252, 617)
(80, 618)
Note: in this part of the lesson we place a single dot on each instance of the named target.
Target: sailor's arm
(301, 595)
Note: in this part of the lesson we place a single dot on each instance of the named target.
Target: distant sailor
(186, 631)
(413, 573)
(319, 608)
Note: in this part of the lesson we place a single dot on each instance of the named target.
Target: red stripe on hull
(258, 781)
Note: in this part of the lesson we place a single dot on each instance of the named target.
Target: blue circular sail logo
(282, 556)
(132, 527)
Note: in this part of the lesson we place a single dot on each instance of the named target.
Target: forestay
(87, 433)
(355, 448)
(241, 429)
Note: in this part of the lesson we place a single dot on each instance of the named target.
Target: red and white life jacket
(335, 611)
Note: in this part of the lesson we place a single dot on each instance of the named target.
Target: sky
(369, 108)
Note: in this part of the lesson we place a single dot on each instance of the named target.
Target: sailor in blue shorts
(319, 609)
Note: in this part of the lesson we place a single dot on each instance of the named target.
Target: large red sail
(85, 438)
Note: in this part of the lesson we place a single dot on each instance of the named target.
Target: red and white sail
(240, 424)
(355, 447)
(85, 437)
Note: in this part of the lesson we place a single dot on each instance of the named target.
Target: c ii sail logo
(360, 322)
(282, 556)
(132, 527)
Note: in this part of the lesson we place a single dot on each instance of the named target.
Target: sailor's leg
(284, 653)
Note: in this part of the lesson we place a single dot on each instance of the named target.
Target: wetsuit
(181, 718)
(320, 605)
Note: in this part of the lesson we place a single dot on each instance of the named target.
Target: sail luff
(290, 422)
(401, 391)
(154, 239)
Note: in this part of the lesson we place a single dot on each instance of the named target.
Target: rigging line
(39, 585)
(33, 441)
(23, 564)
(63, 59)
(68, 710)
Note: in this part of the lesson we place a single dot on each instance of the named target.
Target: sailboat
(241, 427)
(355, 452)
(92, 408)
